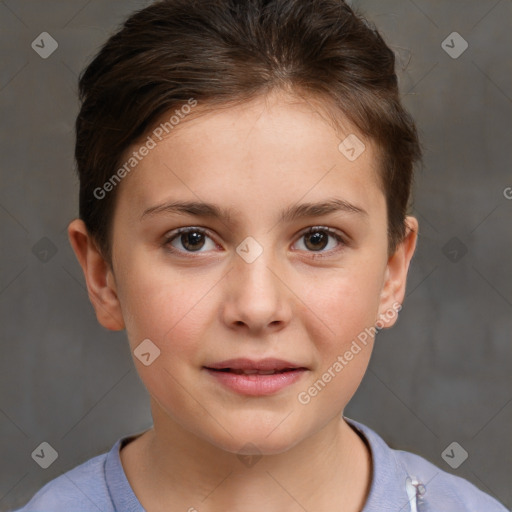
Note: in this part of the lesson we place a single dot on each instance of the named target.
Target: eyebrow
(294, 212)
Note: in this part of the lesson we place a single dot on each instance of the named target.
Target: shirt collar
(121, 493)
(389, 476)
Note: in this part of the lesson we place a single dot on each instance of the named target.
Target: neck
(329, 470)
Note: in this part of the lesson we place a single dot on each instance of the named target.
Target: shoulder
(81, 489)
(400, 477)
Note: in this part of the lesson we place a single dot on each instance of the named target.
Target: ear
(98, 276)
(393, 289)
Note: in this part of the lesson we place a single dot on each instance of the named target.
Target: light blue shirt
(401, 481)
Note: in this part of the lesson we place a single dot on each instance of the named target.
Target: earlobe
(98, 276)
(393, 290)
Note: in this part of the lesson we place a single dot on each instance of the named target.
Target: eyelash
(310, 231)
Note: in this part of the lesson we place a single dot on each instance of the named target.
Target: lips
(253, 372)
(245, 366)
(256, 378)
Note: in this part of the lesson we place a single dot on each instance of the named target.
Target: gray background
(441, 375)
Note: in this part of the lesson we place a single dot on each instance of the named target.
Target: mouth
(250, 377)
(246, 366)
(253, 372)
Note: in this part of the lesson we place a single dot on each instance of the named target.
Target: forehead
(272, 150)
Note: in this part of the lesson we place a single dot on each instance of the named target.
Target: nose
(257, 296)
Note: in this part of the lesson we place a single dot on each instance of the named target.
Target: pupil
(189, 240)
(317, 238)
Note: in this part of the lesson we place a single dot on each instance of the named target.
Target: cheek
(341, 304)
(345, 306)
(163, 306)
(340, 329)
(171, 311)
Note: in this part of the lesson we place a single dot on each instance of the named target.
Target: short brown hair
(224, 51)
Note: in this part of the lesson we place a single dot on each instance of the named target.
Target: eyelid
(341, 237)
(173, 234)
(331, 231)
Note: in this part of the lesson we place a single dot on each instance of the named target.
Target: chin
(256, 447)
(250, 438)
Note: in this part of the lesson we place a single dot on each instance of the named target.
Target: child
(245, 170)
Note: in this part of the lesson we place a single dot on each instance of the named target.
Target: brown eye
(188, 240)
(192, 240)
(321, 240)
(316, 241)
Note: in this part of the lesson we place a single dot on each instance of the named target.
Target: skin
(210, 305)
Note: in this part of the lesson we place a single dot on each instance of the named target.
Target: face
(254, 275)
